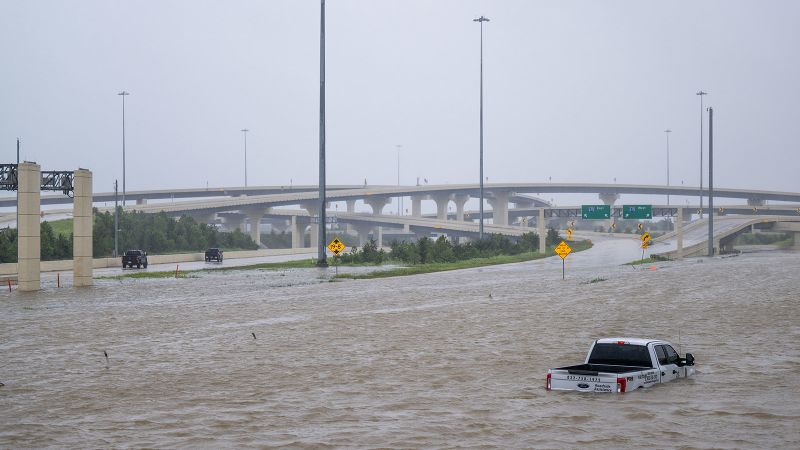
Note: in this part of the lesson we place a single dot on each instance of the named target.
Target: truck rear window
(620, 355)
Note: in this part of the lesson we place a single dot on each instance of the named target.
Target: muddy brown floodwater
(413, 362)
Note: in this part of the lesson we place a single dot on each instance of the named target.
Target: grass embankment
(641, 261)
(466, 264)
(63, 226)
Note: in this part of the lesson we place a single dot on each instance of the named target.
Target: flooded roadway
(412, 362)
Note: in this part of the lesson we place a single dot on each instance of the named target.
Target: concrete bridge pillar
(254, 217)
(29, 249)
(351, 206)
(362, 231)
(609, 199)
(204, 217)
(297, 227)
(377, 204)
(416, 206)
(82, 224)
(460, 200)
(234, 223)
(499, 203)
(796, 245)
(141, 201)
(313, 211)
(542, 232)
(442, 201)
(679, 252)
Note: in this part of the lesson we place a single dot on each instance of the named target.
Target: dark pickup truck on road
(136, 258)
(214, 254)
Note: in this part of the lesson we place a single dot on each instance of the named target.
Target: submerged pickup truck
(622, 365)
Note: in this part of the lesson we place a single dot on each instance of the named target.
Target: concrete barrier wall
(100, 263)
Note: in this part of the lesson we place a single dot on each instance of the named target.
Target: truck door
(668, 362)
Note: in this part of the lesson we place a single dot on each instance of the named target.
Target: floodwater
(440, 360)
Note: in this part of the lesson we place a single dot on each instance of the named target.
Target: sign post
(645, 242)
(336, 246)
(563, 250)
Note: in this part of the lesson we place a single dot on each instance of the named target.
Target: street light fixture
(400, 200)
(123, 94)
(667, 132)
(701, 94)
(480, 20)
(244, 131)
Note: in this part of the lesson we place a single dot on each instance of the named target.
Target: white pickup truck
(622, 365)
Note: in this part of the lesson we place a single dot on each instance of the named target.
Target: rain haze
(574, 91)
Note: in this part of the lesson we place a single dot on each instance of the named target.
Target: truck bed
(594, 369)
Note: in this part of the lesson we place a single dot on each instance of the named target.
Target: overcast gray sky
(577, 90)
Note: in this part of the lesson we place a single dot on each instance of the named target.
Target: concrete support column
(499, 203)
(416, 206)
(141, 201)
(233, 223)
(363, 233)
(377, 204)
(442, 200)
(205, 217)
(609, 199)
(29, 248)
(351, 206)
(378, 233)
(542, 232)
(796, 245)
(679, 253)
(460, 200)
(82, 225)
(254, 216)
(298, 230)
(313, 211)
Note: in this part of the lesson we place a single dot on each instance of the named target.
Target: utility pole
(123, 94)
(17, 175)
(116, 220)
(710, 181)
(321, 255)
(667, 132)
(701, 94)
(481, 19)
(400, 199)
(244, 131)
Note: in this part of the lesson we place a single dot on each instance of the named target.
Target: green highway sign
(596, 212)
(637, 211)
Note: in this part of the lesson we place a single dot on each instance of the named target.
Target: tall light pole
(123, 94)
(321, 255)
(480, 20)
(711, 182)
(667, 132)
(116, 220)
(400, 200)
(700, 93)
(244, 132)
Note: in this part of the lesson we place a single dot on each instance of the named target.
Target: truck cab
(622, 365)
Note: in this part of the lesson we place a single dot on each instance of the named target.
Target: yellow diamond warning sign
(336, 246)
(563, 249)
(646, 237)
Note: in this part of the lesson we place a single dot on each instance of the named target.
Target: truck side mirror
(689, 359)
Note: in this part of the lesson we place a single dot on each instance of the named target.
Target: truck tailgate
(601, 382)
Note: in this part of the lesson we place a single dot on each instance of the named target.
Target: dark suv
(214, 254)
(134, 257)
